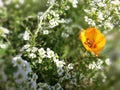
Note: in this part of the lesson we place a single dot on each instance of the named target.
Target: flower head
(93, 40)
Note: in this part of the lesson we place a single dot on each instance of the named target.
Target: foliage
(40, 47)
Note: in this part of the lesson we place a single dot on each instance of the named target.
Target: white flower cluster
(26, 35)
(74, 3)
(41, 53)
(96, 65)
(55, 20)
(23, 69)
(100, 13)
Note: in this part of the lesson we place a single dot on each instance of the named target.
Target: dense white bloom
(97, 65)
(26, 35)
(32, 55)
(34, 49)
(26, 67)
(50, 53)
(21, 64)
(53, 22)
(42, 52)
(17, 61)
(26, 46)
(59, 63)
(74, 3)
(51, 1)
(20, 76)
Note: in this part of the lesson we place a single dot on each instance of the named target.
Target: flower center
(90, 43)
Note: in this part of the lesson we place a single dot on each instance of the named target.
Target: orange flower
(93, 40)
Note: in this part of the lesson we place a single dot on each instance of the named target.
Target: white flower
(20, 76)
(42, 52)
(26, 46)
(32, 55)
(45, 32)
(3, 46)
(26, 35)
(34, 49)
(4, 31)
(59, 64)
(92, 66)
(53, 22)
(26, 67)
(101, 4)
(109, 25)
(60, 71)
(107, 61)
(100, 16)
(51, 1)
(17, 61)
(50, 53)
(70, 66)
(74, 3)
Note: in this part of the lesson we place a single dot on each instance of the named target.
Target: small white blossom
(20, 76)
(45, 32)
(17, 61)
(26, 46)
(74, 3)
(26, 35)
(32, 55)
(4, 31)
(50, 53)
(42, 52)
(34, 49)
(53, 23)
(107, 61)
(70, 66)
(3, 46)
(59, 63)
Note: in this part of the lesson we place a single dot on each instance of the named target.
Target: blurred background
(14, 11)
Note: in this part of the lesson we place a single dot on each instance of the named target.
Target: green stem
(41, 19)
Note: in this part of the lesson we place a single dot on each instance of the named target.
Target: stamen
(90, 43)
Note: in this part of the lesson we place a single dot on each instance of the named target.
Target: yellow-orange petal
(93, 40)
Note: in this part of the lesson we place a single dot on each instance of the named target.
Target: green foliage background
(17, 20)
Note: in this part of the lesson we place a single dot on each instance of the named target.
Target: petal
(82, 37)
(100, 44)
(91, 33)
